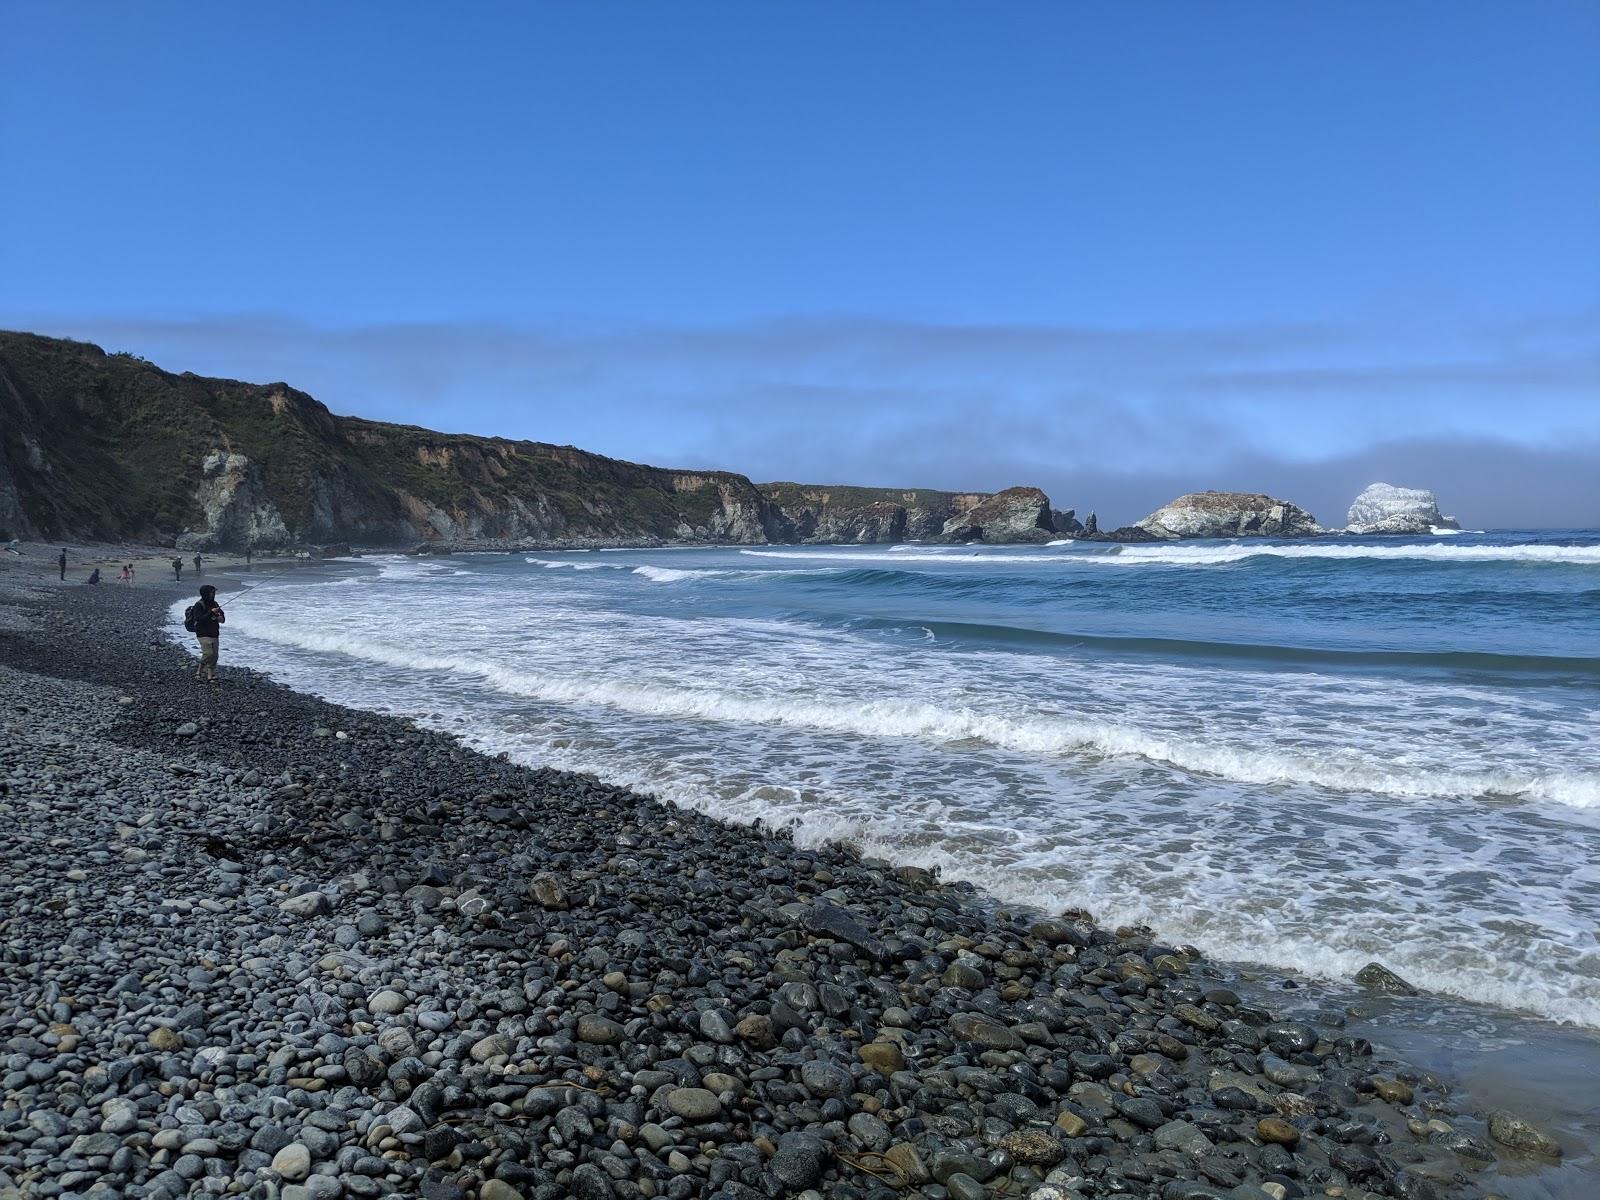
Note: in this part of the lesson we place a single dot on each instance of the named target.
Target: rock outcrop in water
(1019, 514)
(109, 447)
(1066, 523)
(1385, 508)
(1228, 515)
(841, 514)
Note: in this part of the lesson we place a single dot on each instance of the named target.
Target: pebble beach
(255, 944)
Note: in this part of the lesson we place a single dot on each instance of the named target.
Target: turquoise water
(1307, 755)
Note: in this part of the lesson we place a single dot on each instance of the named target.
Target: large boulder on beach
(1228, 515)
(1385, 508)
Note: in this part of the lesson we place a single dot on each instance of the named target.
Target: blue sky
(1116, 250)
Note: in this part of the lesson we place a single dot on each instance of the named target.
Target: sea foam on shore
(387, 962)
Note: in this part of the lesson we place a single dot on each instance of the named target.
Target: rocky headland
(1229, 515)
(255, 944)
(108, 447)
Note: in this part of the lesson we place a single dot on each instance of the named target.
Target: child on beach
(126, 574)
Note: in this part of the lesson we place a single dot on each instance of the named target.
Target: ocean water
(1302, 755)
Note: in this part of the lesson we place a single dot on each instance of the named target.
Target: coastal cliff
(109, 446)
(837, 514)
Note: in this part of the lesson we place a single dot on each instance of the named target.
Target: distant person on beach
(197, 570)
(131, 574)
(62, 562)
(94, 575)
(247, 556)
(177, 568)
(204, 619)
(126, 574)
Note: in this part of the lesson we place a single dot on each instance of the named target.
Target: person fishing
(204, 619)
(177, 568)
(197, 570)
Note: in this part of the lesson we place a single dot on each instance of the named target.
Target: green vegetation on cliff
(111, 447)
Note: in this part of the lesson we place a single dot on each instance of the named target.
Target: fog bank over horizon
(1500, 418)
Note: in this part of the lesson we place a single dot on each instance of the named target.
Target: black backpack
(191, 617)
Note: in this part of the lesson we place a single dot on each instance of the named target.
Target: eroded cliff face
(109, 446)
(234, 507)
(842, 514)
(1020, 514)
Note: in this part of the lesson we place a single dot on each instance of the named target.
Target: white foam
(963, 556)
(553, 564)
(1350, 772)
(400, 567)
(1206, 909)
(671, 574)
(1139, 554)
(1238, 551)
(1293, 818)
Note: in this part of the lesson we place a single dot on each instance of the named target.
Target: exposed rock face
(839, 514)
(1125, 533)
(13, 521)
(1385, 508)
(1020, 514)
(1229, 515)
(1066, 523)
(108, 446)
(235, 507)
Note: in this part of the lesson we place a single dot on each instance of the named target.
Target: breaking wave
(1138, 554)
(553, 564)
(1341, 771)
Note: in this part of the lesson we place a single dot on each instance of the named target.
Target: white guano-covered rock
(1385, 508)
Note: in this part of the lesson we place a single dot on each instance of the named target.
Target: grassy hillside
(110, 447)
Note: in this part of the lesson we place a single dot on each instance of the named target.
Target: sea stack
(1019, 514)
(1228, 515)
(1385, 508)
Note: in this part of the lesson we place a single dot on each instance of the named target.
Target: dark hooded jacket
(209, 615)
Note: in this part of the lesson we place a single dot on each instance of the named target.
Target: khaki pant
(208, 659)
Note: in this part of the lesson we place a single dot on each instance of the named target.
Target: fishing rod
(236, 598)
